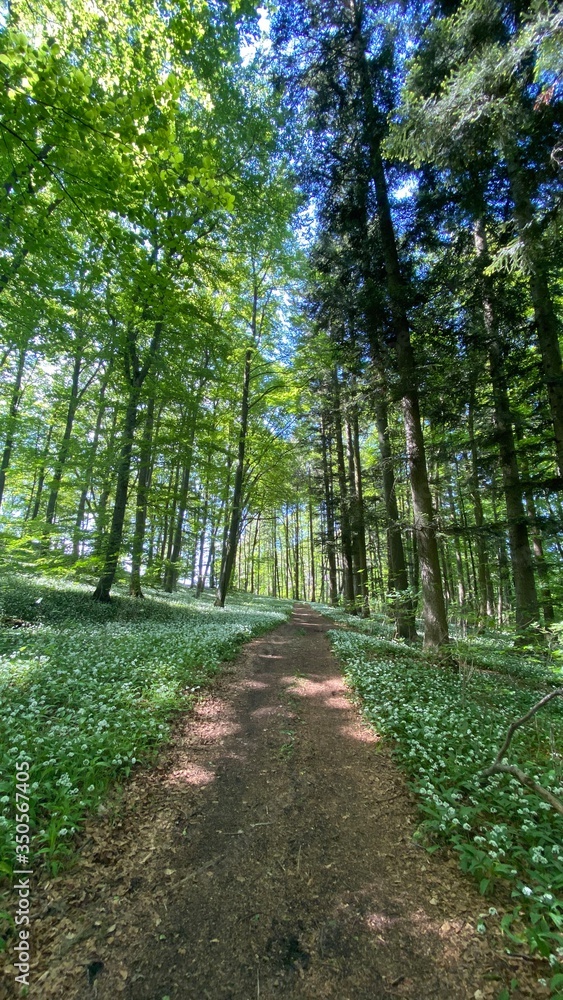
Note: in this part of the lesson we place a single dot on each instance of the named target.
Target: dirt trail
(270, 855)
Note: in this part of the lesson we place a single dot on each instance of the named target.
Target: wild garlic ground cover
(88, 691)
(447, 728)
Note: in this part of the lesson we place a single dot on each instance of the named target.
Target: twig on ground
(497, 767)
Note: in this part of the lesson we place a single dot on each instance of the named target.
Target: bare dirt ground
(269, 855)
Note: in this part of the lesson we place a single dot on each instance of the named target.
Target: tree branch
(497, 767)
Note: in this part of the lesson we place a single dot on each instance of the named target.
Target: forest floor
(268, 855)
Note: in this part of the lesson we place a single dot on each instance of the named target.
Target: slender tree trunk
(345, 527)
(173, 564)
(403, 604)
(228, 562)
(296, 593)
(142, 501)
(42, 472)
(547, 326)
(329, 508)
(101, 511)
(434, 611)
(202, 536)
(486, 591)
(537, 543)
(65, 443)
(311, 538)
(113, 547)
(136, 376)
(527, 610)
(89, 470)
(357, 508)
(253, 555)
(275, 575)
(12, 419)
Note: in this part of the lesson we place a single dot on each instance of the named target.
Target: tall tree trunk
(202, 535)
(311, 538)
(345, 527)
(89, 470)
(12, 419)
(527, 610)
(296, 592)
(275, 574)
(547, 326)
(253, 555)
(403, 604)
(434, 611)
(232, 539)
(486, 591)
(65, 443)
(42, 472)
(136, 376)
(329, 508)
(142, 501)
(357, 512)
(173, 564)
(537, 542)
(113, 546)
(101, 511)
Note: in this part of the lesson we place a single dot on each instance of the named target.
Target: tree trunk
(12, 419)
(547, 326)
(485, 583)
(172, 570)
(296, 593)
(65, 443)
(537, 543)
(345, 527)
(434, 611)
(232, 539)
(142, 501)
(113, 548)
(527, 610)
(101, 512)
(403, 604)
(41, 480)
(136, 375)
(357, 512)
(89, 470)
(311, 538)
(329, 508)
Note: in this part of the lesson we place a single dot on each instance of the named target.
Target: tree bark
(527, 610)
(403, 604)
(142, 501)
(357, 512)
(547, 326)
(65, 443)
(329, 509)
(136, 375)
(89, 470)
(345, 527)
(485, 583)
(434, 611)
(172, 570)
(232, 539)
(12, 419)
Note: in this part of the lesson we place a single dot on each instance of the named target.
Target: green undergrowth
(446, 728)
(89, 690)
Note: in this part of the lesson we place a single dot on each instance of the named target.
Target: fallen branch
(497, 767)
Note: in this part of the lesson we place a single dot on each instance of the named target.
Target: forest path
(269, 855)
